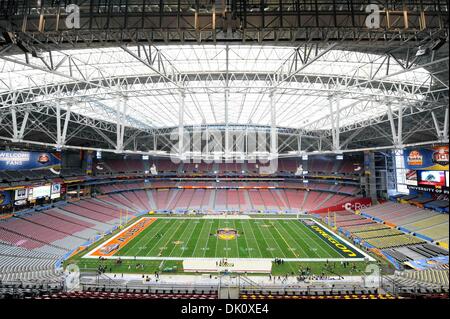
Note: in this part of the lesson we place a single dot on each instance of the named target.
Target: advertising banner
(56, 191)
(40, 192)
(434, 158)
(5, 198)
(21, 194)
(421, 264)
(88, 159)
(15, 160)
(355, 204)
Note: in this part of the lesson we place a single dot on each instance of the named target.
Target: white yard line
(207, 240)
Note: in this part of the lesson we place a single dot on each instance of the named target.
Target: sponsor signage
(20, 202)
(411, 177)
(430, 189)
(20, 194)
(427, 158)
(5, 198)
(414, 158)
(110, 247)
(356, 204)
(15, 160)
(56, 191)
(40, 192)
(428, 263)
(333, 241)
(440, 156)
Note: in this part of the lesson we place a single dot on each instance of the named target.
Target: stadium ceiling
(130, 95)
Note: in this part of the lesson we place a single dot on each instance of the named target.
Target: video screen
(432, 178)
(20, 194)
(411, 177)
(41, 191)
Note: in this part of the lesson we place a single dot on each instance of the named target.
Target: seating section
(175, 199)
(438, 277)
(31, 243)
(394, 241)
(414, 219)
(18, 239)
(414, 252)
(366, 227)
(379, 233)
(18, 262)
(342, 191)
(26, 175)
(34, 231)
(87, 212)
(125, 295)
(315, 165)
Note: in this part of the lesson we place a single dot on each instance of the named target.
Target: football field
(180, 238)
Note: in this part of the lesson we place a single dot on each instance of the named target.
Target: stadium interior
(224, 149)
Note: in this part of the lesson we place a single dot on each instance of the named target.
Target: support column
(58, 124)
(18, 132)
(370, 176)
(24, 124)
(181, 124)
(66, 124)
(273, 127)
(14, 123)
(334, 103)
(121, 110)
(397, 133)
(227, 129)
(400, 126)
(226, 97)
(442, 134)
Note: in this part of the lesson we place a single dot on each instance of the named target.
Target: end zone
(111, 246)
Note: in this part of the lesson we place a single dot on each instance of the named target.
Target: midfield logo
(227, 233)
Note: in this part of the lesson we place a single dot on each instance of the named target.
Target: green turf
(176, 267)
(253, 241)
(258, 238)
